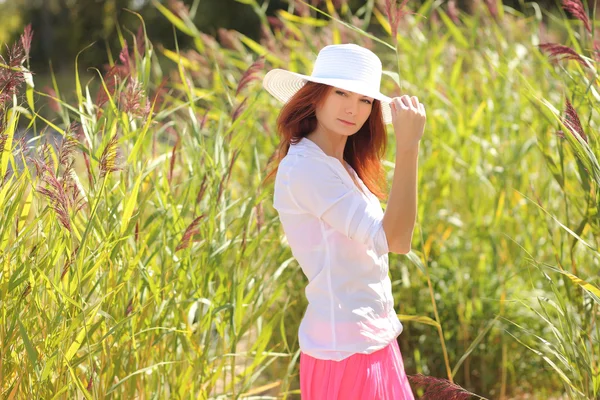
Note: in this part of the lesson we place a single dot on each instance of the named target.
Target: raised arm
(408, 118)
(401, 211)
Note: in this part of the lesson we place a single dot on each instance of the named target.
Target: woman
(327, 191)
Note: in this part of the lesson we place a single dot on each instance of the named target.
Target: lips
(346, 122)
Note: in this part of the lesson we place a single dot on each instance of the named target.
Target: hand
(408, 118)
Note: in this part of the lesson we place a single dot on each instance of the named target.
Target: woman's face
(342, 105)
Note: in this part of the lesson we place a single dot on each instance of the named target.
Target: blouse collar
(306, 146)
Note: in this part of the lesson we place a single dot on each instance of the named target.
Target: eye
(343, 94)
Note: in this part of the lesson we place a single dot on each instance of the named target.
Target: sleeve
(317, 189)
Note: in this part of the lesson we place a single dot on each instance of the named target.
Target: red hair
(364, 150)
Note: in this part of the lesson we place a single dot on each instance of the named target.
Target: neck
(332, 144)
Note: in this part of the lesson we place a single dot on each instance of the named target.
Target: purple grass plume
(191, 230)
(12, 73)
(202, 189)
(173, 158)
(394, 14)
(133, 99)
(55, 193)
(575, 7)
(561, 52)
(251, 74)
(440, 389)
(119, 71)
(238, 110)
(571, 120)
(229, 39)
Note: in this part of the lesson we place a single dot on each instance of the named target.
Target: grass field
(141, 256)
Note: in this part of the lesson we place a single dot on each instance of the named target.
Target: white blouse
(336, 234)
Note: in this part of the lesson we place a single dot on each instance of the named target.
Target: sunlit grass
(142, 255)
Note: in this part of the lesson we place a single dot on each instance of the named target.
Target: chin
(347, 133)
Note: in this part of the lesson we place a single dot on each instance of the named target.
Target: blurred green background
(64, 27)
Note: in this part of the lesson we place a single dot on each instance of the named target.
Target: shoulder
(308, 169)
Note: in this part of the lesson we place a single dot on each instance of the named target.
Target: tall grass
(141, 257)
(132, 262)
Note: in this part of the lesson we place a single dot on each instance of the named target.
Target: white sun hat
(346, 66)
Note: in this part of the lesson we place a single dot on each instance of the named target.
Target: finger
(397, 103)
(422, 108)
(414, 104)
(405, 102)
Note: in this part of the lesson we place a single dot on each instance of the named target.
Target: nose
(352, 107)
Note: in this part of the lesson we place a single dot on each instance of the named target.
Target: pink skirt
(376, 376)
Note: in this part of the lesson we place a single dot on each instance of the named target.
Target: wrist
(407, 147)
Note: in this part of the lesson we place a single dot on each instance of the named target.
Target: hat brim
(283, 84)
